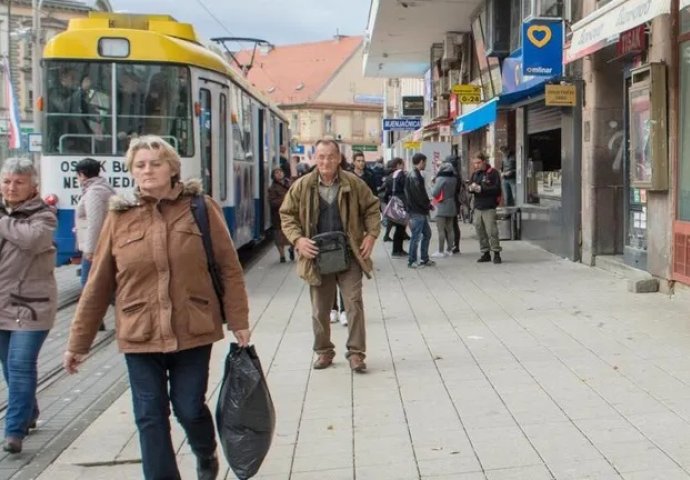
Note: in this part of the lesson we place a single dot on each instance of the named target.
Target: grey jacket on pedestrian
(91, 212)
(28, 292)
(446, 182)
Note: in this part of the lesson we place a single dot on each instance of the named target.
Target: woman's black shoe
(291, 251)
(282, 259)
(207, 469)
(387, 239)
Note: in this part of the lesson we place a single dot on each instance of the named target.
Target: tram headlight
(113, 47)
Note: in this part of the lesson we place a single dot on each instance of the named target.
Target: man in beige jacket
(331, 199)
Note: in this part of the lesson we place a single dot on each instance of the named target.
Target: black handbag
(334, 254)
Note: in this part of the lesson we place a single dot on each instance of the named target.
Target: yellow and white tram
(111, 77)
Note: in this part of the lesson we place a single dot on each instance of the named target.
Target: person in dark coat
(485, 186)
(394, 185)
(359, 168)
(276, 194)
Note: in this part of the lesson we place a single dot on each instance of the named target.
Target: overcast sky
(277, 21)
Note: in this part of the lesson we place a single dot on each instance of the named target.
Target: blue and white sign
(542, 47)
(413, 123)
(298, 149)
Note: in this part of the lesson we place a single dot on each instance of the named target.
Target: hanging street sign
(412, 145)
(467, 94)
(542, 47)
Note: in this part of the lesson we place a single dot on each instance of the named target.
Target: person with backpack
(169, 312)
(443, 192)
(485, 186)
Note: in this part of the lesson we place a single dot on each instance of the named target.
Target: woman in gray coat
(443, 193)
(28, 293)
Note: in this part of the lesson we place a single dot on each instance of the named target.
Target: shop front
(625, 50)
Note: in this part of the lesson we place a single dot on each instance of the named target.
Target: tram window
(223, 147)
(154, 100)
(78, 108)
(205, 133)
(247, 126)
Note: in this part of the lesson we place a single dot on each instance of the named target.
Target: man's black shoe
(207, 468)
(456, 250)
(387, 239)
(406, 237)
(497, 258)
(486, 257)
(400, 254)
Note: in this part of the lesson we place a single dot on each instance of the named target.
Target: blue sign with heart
(542, 47)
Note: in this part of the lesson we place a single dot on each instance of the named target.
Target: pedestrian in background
(395, 187)
(168, 315)
(443, 191)
(91, 210)
(276, 193)
(28, 292)
(508, 175)
(485, 186)
(454, 161)
(418, 206)
(359, 168)
(330, 199)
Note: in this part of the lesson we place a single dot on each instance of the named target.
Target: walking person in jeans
(444, 190)
(28, 293)
(394, 186)
(418, 206)
(485, 185)
(168, 314)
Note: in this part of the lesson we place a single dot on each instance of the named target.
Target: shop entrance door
(635, 199)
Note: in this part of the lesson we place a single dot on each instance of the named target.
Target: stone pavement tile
(441, 444)
(450, 465)
(638, 456)
(657, 474)
(393, 471)
(278, 460)
(310, 463)
(611, 430)
(503, 448)
(532, 472)
(559, 443)
(457, 476)
(586, 470)
(382, 429)
(330, 474)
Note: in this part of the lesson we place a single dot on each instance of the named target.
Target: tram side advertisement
(65, 185)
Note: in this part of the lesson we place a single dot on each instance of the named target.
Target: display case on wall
(648, 125)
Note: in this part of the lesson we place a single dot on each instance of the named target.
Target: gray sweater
(91, 211)
(447, 182)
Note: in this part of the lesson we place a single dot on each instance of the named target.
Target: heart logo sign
(539, 35)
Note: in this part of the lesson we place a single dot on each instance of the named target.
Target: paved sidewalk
(535, 369)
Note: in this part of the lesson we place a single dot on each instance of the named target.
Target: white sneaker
(447, 254)
(343, 319)
(438, 255)
(334, 316)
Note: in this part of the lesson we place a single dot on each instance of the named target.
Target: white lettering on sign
(592, 32)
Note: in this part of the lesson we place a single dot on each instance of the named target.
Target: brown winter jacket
(151, 254)
(359, 211)
(28, 293)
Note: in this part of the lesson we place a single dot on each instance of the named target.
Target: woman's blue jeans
(19, 355)
(156, 381)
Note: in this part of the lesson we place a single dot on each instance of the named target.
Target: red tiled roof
(292, 74)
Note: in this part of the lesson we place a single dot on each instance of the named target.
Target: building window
(294, 124)
(328, 123)
(358, 124)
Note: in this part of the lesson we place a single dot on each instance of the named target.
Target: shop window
(544, 167)
(684, 180)
(685, 20)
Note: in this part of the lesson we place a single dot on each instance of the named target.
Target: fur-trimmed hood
(189, 188)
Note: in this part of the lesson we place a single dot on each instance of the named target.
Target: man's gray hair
(20, 166)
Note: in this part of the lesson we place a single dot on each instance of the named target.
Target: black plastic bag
(245, 415)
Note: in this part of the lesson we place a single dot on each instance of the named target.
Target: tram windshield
(96, 108)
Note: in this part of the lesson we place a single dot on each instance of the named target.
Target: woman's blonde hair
(166, 152)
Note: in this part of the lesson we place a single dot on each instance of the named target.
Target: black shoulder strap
(200, 214)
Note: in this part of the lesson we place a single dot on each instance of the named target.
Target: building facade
(321, 88)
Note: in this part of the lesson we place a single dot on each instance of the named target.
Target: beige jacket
(28, 292)
(91, 212)
(359, 212)
(151, 254)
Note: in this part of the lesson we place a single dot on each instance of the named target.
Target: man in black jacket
(485, 185)
(418, 206)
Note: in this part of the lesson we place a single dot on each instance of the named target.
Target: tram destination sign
(402, 124)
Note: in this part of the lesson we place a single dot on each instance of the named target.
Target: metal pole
(36, 54)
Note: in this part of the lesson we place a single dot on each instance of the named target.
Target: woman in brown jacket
(167, 313)
(276, 194)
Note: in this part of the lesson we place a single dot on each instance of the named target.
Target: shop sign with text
(542, 47)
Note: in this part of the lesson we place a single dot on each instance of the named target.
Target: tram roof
(152, 38)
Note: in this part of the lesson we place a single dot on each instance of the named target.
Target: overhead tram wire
(217, 20)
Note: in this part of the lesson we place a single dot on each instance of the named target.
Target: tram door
(213, 139)
(261, 166)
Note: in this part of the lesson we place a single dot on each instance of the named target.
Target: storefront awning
(603, 26)
(478, 118)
